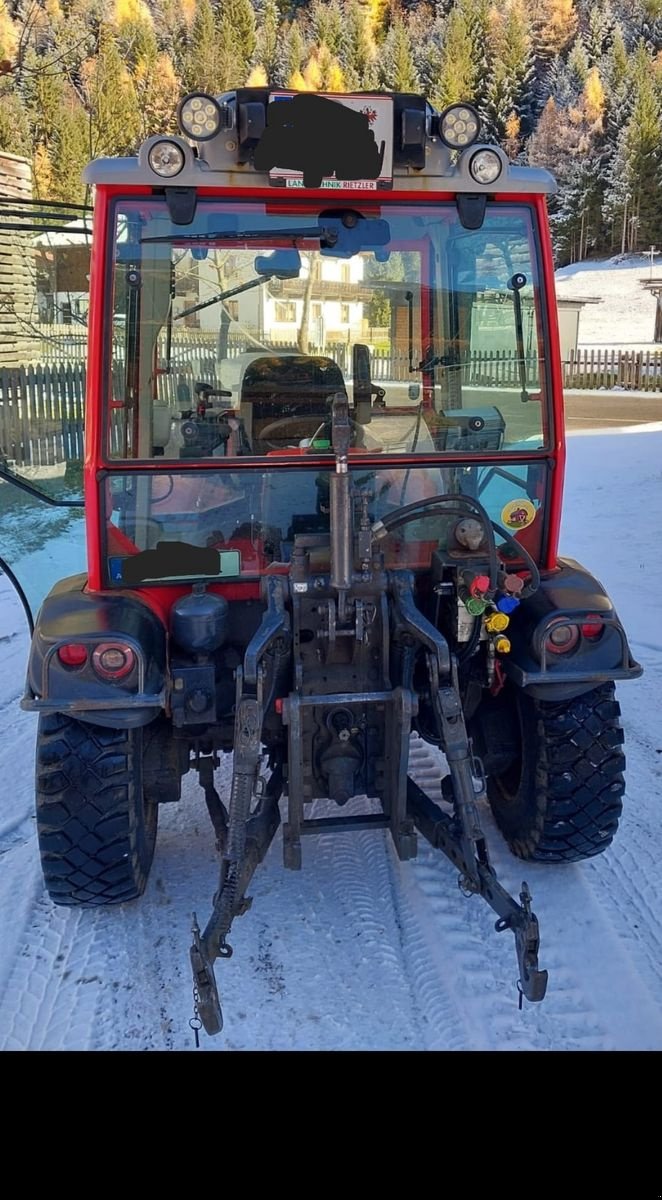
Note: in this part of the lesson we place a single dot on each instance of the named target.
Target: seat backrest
(285, 398)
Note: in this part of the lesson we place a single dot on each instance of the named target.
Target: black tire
(560, 799)
(96, 829)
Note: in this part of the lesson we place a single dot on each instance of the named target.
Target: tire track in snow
(51, 995)
(570, 1015)
(356, 950)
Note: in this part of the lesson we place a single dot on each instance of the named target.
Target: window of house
(285, 311)
(344, 314)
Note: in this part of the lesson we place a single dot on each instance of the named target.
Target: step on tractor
(335, 528)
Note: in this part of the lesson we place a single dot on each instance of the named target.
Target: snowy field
(358, 950)
(625, 316)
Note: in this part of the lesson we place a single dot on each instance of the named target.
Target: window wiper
(242, 235)
(515, 285)
(242, 287)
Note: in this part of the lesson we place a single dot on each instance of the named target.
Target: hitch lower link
(461, 839)
(247, 837)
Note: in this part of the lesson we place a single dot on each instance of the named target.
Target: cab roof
(416, 155)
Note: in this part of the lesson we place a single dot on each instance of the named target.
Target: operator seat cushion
(292, 390)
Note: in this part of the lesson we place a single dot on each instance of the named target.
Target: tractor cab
(322, 494)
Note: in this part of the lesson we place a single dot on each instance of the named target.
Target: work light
(166, 159)
(459, 126)
(199, 116)
(485, 166)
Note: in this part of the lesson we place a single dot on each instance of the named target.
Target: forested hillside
(575, 85)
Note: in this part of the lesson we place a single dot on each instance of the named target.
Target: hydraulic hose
(402, 516)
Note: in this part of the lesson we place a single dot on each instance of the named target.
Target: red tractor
(336, 528)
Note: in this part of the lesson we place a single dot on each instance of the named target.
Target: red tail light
(113, 660)
(592, 627)
(72, 655)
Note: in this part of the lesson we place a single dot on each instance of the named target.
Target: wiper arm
(515, 285)
(242, 287)
(243, 235)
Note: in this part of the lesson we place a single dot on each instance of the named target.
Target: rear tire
(97, 830)
(560, 799)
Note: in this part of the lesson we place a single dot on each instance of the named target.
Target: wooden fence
(639, 371)
(42, 407)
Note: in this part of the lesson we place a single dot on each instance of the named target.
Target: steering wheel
(358, 432)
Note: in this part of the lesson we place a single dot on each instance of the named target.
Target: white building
(273, 311)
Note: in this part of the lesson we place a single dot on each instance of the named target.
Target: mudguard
(70, 614)
(569, 591)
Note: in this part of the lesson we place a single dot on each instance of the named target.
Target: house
(273, 311)
(62, 263)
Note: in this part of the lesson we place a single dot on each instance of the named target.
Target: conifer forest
(572, 85)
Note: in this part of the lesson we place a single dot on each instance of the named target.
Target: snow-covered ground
(359, 950)
(625, 316)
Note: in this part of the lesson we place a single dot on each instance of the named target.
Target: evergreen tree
(426, 43)
(358, 52)
(238, 19)
(70, 151)
(173, 20)
(598, 36)
(397, 69)
(326, 20)
(110, 100)
(136, 40)
(267, 39)
(15, 135)
(634, 202)
(457, 76)
(577, 67)
(507, 89)
(480, 18)
(294, 53)
(202, 62)
(158, 91)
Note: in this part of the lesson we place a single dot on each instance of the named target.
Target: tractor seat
(285, 398)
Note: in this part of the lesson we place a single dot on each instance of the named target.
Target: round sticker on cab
(517, 514)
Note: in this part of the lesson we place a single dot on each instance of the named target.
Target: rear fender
(571, 592)
(70, 614)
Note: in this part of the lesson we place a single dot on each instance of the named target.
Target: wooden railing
(42, 407)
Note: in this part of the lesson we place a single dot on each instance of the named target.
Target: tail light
(592, 627)
(562, 638)
(73, 654)
(113, 660)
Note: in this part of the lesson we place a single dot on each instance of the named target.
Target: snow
(359, 950)
(625, 316)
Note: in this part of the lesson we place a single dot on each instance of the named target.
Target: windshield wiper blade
(242, 287)
(240, 235)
